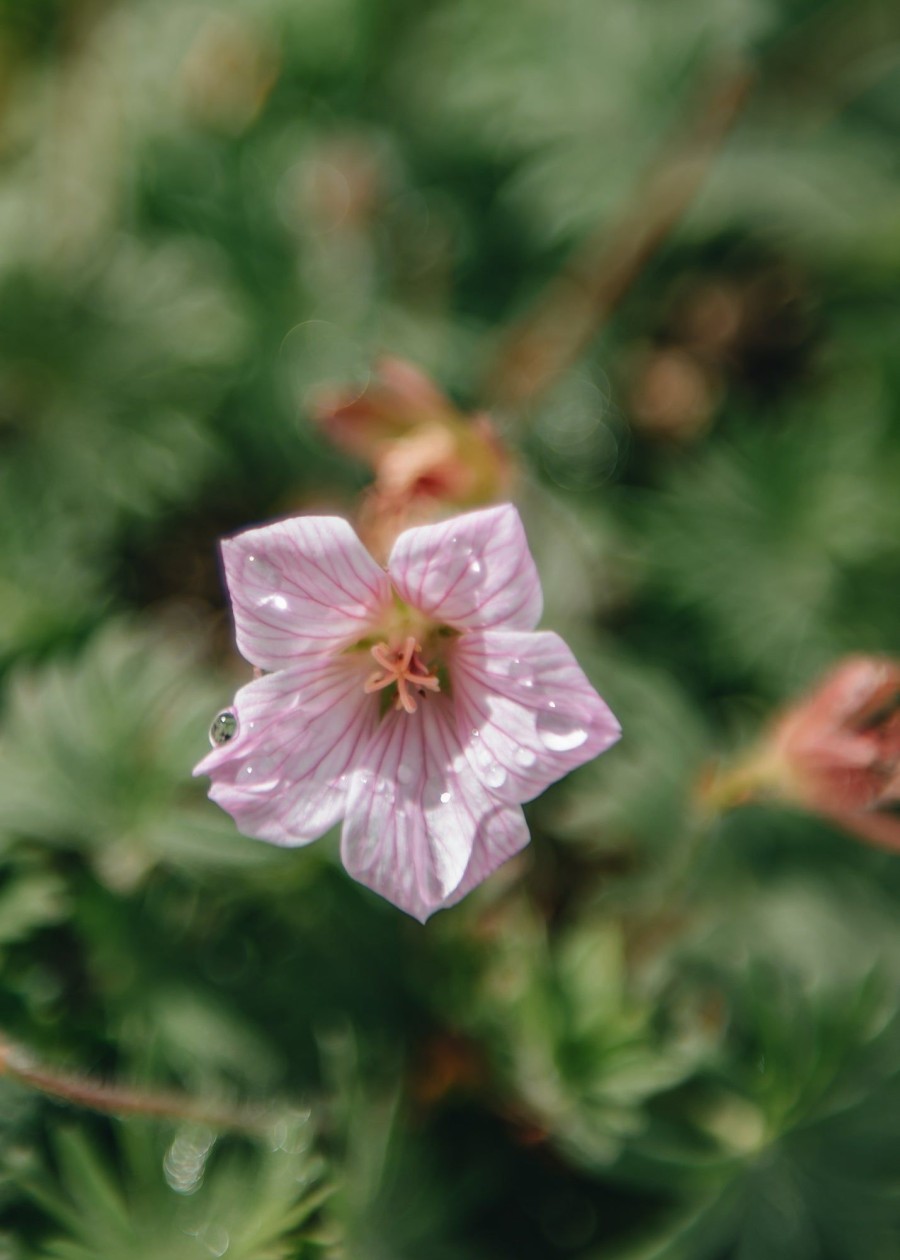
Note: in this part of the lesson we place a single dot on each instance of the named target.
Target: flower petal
(284, 776)
(526, 713)
(414, 810)
(300, 585)
(472, 571)
(502, 834)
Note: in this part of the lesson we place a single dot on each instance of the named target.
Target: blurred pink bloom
(427, 456)
(417, 703)
(839, 748)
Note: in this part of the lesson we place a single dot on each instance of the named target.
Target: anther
(405, 668)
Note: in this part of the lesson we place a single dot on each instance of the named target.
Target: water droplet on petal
(480, 755)
(260, 570)
(525, 758)
(276, 602)
(558, 732)
(466, 564)
(224, 727)
(494, 775)
(521, 672)
(446, 798)
(259, 775)
(404, 774)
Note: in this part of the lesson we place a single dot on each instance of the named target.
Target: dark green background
(655, 1036)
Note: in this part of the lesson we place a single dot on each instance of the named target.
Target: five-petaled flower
(418, 703)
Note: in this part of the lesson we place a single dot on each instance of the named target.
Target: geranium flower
(417, 703)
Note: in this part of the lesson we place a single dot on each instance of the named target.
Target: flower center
(405, 667)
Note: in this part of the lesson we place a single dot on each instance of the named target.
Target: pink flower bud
(427, 457)
(840, 748)
(836, 752)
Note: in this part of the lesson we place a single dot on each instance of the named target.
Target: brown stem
(566, 315)
(116, 1100)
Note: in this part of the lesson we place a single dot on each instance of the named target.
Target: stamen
(404, 667)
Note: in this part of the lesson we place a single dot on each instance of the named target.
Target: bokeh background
(661, 1033)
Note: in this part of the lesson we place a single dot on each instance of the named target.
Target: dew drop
(446, 798)
(521, 672)
(480, 755)
(494, 775)
(258, 775)
(559, 733)
(525, 758)
(260, 570)
(467, 567)
(278, 602)
(404, 774)
(224, 727)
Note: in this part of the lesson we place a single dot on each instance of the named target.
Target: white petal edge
(300, 586)
(469, 572)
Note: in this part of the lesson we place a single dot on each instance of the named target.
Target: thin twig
(117, 1100)
(567, 314)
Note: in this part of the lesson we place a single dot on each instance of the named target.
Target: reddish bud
(836, 752)
(428, 458)
(841, 748)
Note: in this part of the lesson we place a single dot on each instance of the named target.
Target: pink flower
(428, 457)
(418, 703)
(839, 748)
(834, 752)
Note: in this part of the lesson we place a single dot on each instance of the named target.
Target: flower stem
(82, 1091)
(550, 336)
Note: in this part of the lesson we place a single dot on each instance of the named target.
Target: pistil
(405, 667)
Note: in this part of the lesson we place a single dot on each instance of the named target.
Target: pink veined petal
(414, 810)
(526, 713)
(501, 835)
(284, 777)
(472, 571)
(299, 586)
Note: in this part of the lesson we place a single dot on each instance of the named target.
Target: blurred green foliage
(652, 1036)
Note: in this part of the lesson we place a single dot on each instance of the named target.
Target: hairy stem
(550, 336)
(82, 1091)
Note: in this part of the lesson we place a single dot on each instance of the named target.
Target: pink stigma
(404, 667)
